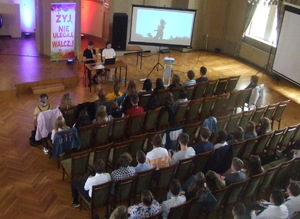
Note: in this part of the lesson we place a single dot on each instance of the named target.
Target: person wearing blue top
(204, 145)
(141, 159)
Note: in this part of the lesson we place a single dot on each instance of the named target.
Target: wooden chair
(183, 170)
(232, 82)
(194, 209)
(206, 109)
(251, 190)
(175, 91)
(69, 115)
(192, 113)
(190, 91)
(100, 197)
(270, 110)
(246, 115)
(119, 128)
(200, 162)
(161, 95)
(237, 148)
(296, 135)
(144, 98)
(258, 114)
(180, 112)
(248, 148)
(179, 211)
(260, 148)
(222, 122)
(102, 132)
(231, 102)
(287, 135)
(137, 143)
(282, 178)
(274, 141)
(142, 182)
(199, 90)
(163, 119)
(100, 152)
(221, 85)
(219, 106)
(241, 100)
(135, 124)
(210, 88)
(191, 130)
(151, 119)
(116, 151)
(279, 112)
(233, 121)
(86, 136)
(75, 166)
(149, 145)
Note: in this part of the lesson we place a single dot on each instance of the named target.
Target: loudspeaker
(119, 31)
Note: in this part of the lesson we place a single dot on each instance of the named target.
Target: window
(264, 23)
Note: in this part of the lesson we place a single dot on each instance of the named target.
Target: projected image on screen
(161, 26)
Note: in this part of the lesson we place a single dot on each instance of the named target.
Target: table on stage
(119, 64)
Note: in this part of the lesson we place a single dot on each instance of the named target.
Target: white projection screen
(160, 26)
(287, 61)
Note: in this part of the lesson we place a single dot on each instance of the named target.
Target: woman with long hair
(175, 82)
(264, 126)
(101, 115)
(214, 181)
(254, 166)
(60, 125)
(66, 102)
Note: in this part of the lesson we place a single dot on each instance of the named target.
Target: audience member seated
(135, 109)
(147, 86)
(83, 119)
(101, 115)
(153, 102)
(43, 106)
(264, 126)
(250, 131)
(274, 209)
(214, 181)
(204, 144)
(293, 201)
(148, 207)
(85, 188)
(236, 136)
(60, 125)
(168, 102)
(202, 77)
(131, 89)
(191, 76)
(221, 139)
(124, 171)
(66, 102)
(175, 200)
(196, 186)
(121, 212)
(239, 211)
(175, 82)
(185, 151)
(158, 157)
(116, 93)
(159, 84)
(254, 166)
(115, 110)
(237, 174)
(182, 98)
(141, 159)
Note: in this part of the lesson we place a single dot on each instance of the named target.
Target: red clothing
(136, 109)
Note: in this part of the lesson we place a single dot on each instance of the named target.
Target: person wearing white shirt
(86, 189)
(293, 201)
(276, 209)
(175, 200)
(109, 53)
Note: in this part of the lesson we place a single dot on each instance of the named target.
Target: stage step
(47, 88)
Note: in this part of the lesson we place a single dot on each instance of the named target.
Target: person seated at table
(89, 56)
(109, 53)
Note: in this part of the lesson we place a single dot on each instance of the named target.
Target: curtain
(251, 7)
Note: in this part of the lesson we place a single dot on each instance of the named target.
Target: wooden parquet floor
(32, 186)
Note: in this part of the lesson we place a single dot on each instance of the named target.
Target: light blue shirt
(143, 167)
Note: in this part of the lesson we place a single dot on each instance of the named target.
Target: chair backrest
(261, 144)
(200, 161)
(207, 105)
(283, 174)
(163, 119)
(183, 170)
(149, 145)
(181, 111)
(117, 150)
(100, 195)
(165, 175)
(258, 114)
(287, 135)
(143, 181)
(137, 143)
(237, 148)
(221, 85)
(101, 152)
(86, 136)
(135, 124)
(231, 101)
(79, 164)
(199, 90)
(233, 121)
(179, 211)
(246, 115)
(234, 192)
(242, 99)
(274, 141)
(279, 112)
(69, 115)
(220, 196)
(194, 209)
(210, 88)
(294, 170)
(190, 91)
(151, 119)
(118, 128)
(248, 148)
(123, 190)
(221, 122)
(270, 110)
(102, 131)
(175, 92)
(251, 190)
(144, 98)
(267, 181)
(191, 130)
(219, 106)
(296, 135)
(192, 114)
(161, 95)
(232, 82)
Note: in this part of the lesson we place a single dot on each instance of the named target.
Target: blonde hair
(60, 123)
(101, 114)
(66, 101)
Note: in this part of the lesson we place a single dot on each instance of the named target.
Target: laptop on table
(110, 61)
